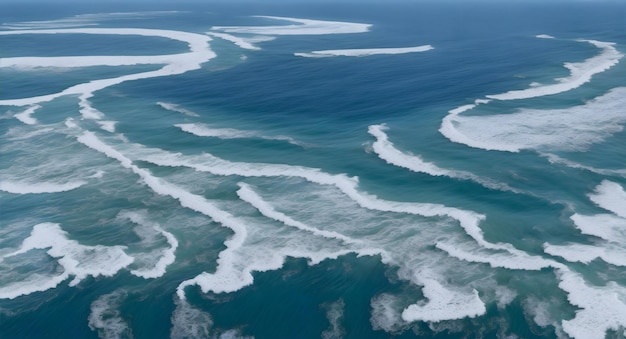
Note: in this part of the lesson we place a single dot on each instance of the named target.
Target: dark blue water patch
(295, 294)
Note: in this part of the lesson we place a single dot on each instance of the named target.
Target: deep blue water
(250, 192)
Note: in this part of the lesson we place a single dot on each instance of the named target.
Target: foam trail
(229, 133)
(245, 43)
(105, 317)
(508, 261)
(167, 257)
(387, 151)
(555, 159)
(25, 116)
(602, 308)
(15, 133)
(224, 281)
(580, 73)
(35, 283)
(302, 27)
(610, 196)
(364, 52)
(610, 253)
(468, 220)
(544, 36)
(189, 322)
(334, 314)
(248, 195)
(38, 188)
(178, 109)
(208, 163)
(77, 260)
(174, 64)
(385, 315)
(565, 129)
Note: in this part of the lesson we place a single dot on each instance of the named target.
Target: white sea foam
(334, 314)
(606, 226)
(108, 126)
(77, 260)
(302, 27)
(105, 317)
(176, 108)
(34, 283)
(202, 130)
(580, 73)
(610, 253)
(444, 303)
(387, 151)
(25, 115)
(165, 257)
(602, 308)
(17, 187)
(174, 64)
(517, 261)
(609, 227)
(364, 52)
(569, 129)
(544, 36)
(245, 43)
(610, 196)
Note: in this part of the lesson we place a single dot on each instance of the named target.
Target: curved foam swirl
(580, 73)
(566, 129)
(77, 260)
(166, 256)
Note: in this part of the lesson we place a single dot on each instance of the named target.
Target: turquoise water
(182, 171)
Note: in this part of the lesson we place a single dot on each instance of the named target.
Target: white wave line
(174, 64)
(580, 73)
(247, 194)
(364, 52)
(387, 151)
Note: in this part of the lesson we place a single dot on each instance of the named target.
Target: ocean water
(452, 170)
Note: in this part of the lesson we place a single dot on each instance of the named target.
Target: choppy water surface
(313, 171)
